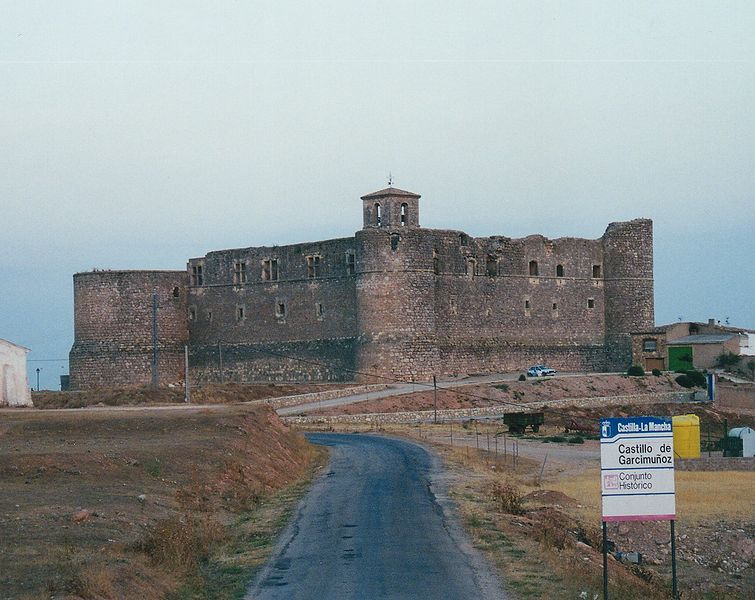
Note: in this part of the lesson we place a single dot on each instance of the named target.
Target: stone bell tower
(391, 208)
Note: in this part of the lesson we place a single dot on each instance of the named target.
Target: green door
(680, 358)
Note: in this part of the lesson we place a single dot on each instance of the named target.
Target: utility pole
(38, 370)
(220, 361)
(155, 349)
(435, 400)
(187, 390)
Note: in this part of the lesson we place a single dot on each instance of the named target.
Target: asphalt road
(377, 524)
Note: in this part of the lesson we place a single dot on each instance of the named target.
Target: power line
(47, 360)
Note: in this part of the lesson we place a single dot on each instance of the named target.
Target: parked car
(540, 371)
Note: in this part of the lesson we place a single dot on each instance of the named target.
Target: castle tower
(395, 289)
(628, 287)
(113, 314)
(391, 208)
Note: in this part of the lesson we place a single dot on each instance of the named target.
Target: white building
(14, 386)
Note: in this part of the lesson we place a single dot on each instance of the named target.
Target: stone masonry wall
(391, 302)
(486, 412)
(113, 328)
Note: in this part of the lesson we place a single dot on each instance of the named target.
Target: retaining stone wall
(489, 411)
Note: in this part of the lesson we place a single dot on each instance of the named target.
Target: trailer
(519, 421)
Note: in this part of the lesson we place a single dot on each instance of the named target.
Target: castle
(395, 300)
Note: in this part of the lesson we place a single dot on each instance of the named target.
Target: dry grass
(227, 393)
(700, 495)
(199, 469)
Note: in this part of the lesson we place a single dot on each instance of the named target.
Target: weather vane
(390, 179)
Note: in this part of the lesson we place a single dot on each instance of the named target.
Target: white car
(540, 371)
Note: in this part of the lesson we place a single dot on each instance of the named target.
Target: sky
(138, 134)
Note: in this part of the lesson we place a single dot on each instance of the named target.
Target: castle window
(239, 313)
(395, 238)
(559, 270)
(192, 313)
(196, 275)
(650, 345)
(591, 303)
(527, 305)
(533, 267)
(270, 269)
(436, 261)
(280, 309)
(319, 311)
(471, 266)
(555, 306)
(378, 215)
(596, 271)
(554, 310)
(176, 292)
(463, 239)
(452, 306)
(313, 266)
(404, 214)
(239, 272)
(208, 316)
(350, 263)
(491, 266)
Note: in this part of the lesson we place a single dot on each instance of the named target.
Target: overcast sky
(137, 134)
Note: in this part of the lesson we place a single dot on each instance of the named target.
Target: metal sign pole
(674, 591)
(605, 561)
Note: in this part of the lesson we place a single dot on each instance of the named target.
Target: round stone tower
(113, 328)
(628, 287)
(395, 289)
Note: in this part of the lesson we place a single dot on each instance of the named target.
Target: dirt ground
(227, 393)
(125, 504)
(515, 392)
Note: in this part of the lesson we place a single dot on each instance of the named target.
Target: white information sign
(637, 469)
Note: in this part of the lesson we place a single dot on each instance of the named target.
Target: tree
(727, 360)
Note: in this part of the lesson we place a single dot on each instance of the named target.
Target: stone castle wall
(392, 302)
(113, 328)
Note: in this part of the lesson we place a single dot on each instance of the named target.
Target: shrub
(697, 378)
(181, 542)
(656, 372)
(522, 377)
(635, 371)
(685, 381)
(577, 439)
(726, 360)
(508, 497)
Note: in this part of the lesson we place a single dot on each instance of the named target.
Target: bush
(656, 372)
(508, 498)
(726, 360)
(635, 371)
(522, 377)
(685, 381)
(697, 378)
(577, 439)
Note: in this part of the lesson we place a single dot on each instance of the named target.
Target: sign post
(637, 476)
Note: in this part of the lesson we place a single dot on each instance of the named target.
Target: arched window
(395, 239)
(404, 214)
(533, 267)
(471, 266)
(559, 270)
(378, 214)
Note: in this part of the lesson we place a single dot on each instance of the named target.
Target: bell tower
(391, 208)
